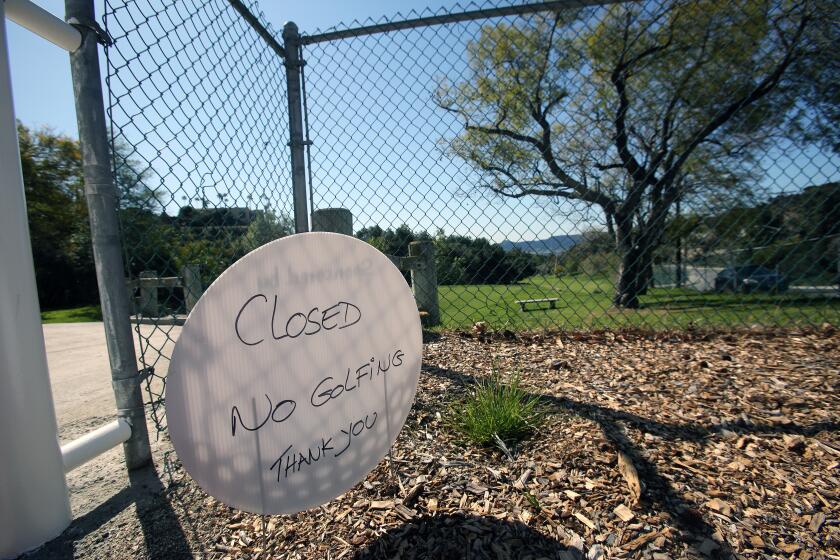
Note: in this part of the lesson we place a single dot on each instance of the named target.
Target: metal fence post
(293, 63)
(336, 220)
(101, 195)
(424, 278)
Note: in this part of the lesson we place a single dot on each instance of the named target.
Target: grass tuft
(498, 413)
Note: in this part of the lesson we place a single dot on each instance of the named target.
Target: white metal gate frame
(34, 499)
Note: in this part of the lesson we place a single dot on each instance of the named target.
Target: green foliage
(57, 214)
(793, 233)
(498, 409)
(459, 259)
(533, 501)
(463, 260)
(593, 255)
(633, 106)
(59, 228)
(213, 238)
(266, 227)
(391, 241)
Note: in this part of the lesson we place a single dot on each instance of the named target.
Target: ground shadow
(660, 494)
(162, 532)
(463, 536)
(430, 336)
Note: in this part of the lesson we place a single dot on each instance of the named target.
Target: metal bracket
(102, 37)
(304, 143)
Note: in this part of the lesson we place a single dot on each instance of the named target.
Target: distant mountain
(554, 245)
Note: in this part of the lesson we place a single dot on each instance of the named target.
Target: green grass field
(585, 304)
(84, 314)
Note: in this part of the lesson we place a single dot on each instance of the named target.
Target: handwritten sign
(294, 373)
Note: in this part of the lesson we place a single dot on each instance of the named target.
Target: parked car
(750, 278)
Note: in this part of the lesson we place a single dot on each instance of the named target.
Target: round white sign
(294, 373)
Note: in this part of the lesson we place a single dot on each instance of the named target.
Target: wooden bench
(552, 302)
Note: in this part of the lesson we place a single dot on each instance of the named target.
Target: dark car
(751, 278)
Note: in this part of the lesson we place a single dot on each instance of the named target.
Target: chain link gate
(198, 111)
(573, 165)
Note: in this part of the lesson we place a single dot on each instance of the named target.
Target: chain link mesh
(436, 132)
(198, 111)
(663, 164)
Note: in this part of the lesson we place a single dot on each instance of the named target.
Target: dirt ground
(80, 377)
(734, 438)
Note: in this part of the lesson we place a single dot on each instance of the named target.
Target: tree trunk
(647, 275)
(630, 280)
(636, 252)
(626, 289)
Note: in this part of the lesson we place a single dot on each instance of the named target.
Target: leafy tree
(132, 179)
(633, 106)
(55, 205)
(391, 241)
(591, 255)
(458, 259)
(266, 227)
(793, 232)
(463, 260)
(59, 228)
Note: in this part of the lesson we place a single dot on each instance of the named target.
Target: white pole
(40, 22)
(80, 451)
(34, 504)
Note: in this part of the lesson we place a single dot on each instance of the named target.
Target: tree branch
(763, 88)
(544, 67)
(641, 176)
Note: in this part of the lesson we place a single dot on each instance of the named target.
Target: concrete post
(337, 220)
(424, 278)
(149, 306)
(191, 283)
(101, 195)
(34, 505)
(291, 40)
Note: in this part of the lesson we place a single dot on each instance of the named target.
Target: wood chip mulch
(667, 445)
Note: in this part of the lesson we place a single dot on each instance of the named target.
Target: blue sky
(43, 97)
(41, 72)
(395, 173)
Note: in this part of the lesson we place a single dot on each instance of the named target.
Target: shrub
(498, 411)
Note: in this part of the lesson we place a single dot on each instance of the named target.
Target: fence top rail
(470, 15)
(257, 26)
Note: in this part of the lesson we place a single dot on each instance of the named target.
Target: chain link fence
(629, 164)
(199, 119)
(572, 165)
